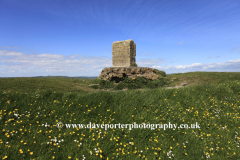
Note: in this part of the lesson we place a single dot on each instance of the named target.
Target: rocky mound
(118, 73)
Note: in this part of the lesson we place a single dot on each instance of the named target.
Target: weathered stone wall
(123, 53)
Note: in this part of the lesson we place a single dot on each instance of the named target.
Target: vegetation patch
(209, 112)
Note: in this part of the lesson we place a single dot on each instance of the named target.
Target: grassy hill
(34, 109)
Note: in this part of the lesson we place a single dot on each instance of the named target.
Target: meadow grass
(30, 109)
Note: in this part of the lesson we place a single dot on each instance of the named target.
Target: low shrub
(120, 86)
(152, 84)
(162, 73)
(135, 83)
(126, 82)
(106, 84)
(141, 80)
(162, 80)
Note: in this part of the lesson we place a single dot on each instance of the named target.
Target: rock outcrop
(118, 73)
(123, 58)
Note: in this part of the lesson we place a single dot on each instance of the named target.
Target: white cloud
(42, 64)
(51, 56)
(237, 60)
(188, 66)
(10, 53)
(18, 64)
(230, 66)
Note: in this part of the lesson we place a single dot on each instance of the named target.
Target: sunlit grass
(28, 122)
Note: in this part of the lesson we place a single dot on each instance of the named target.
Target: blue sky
(74, 38)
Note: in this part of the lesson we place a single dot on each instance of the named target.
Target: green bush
(120, 86)
(162, 73)
(152, 84)
(127, 80)
(162, 80)
(106, 84)
(130, 84)
(141, 80)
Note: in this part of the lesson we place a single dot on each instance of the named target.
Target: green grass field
(30, 109)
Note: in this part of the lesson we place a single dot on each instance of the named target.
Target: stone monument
(123, 59)
(123, 53)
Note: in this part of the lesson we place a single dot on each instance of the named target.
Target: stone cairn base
(118, 73)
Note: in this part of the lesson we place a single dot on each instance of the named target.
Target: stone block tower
(123, 53)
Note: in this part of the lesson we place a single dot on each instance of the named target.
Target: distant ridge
(81, 77)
